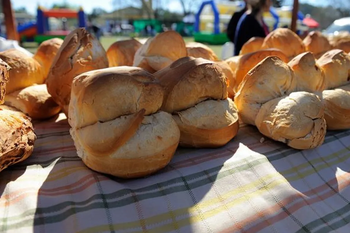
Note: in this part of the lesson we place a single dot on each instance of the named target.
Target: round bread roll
(24, 72)
(17, 137)
(116, 123)
(79, 53)
(34, 101)
(231, 78)
(340, 41)
(199, 50)
(4, 78)
(252, 45)
(309, 76)
(211, 123)
(160, 51)
(270, 79)
(196, 95)
(189, 81)
(285, 40)
(336, 66)
(121, 53)
(317, 43)
(297, 120)
(248, 61)
(337, 107)
(46, 53)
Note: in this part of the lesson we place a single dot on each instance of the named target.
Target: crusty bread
(210, 123)
(340, 41)
(285, 40)
(17, 137)
(24, 72)
(252, 45)
(199, 50)
(121, 53)
(270, 79)
(189, 81)
(116, 123)
(337, 107)
(336, 66)
(34, 101)
(4, 78)
(297, 120)
(231, 78)
(160, 51)
(79, 53)
(46, 53)
(309, 77)
(248, 61)
(317, 43)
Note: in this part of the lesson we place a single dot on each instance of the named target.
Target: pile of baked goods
(131, 106)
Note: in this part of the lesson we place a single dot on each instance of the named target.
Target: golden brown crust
(316, 43)
(297, 120)
(106, 94)
(121, 53)
(231, 78)
(309, 76)
(46, 53)
(160, 51)
(4, 78)
(285, 40)
(24, 72)
(199, 50)
(335, 65)
(79, 53)
(34, 101)
(252, 45)
(17, 137)
(189, 81)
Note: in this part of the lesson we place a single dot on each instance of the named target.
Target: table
(252, 184)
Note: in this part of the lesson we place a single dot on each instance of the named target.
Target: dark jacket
(232, 25)
(247, 28)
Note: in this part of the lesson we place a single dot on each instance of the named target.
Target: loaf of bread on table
(34, 101)
(231, 78)
(337, 107)
(121, 53)
(25, 71)
(269, 79)
(199, 50)
(79, 53)
(160, 51)
(252, 45)
(245, 63)
(4, 78)
(46, 53)
(116, 122)
(17, 137)
(285, 40)
(336, 66)
(317, 43)
(309, 76)
(196, 95)
(340, 41)
(297, 120)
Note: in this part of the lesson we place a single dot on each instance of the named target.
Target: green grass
(106, 41)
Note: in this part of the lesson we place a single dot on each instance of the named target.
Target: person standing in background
(232, 25)
(251, 24)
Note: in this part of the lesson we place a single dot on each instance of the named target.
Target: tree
(21, 10)
(96, 12)
(187, 6)
(277, 3)
(342, 7)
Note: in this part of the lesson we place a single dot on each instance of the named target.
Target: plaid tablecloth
(250, 185)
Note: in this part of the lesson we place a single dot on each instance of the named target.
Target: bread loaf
(17, 137)
(199, 50)
(24, 72)
(252, 45)
(79, 53)
(160, 51)
(116, 123)
(4, 77)
(121, 53)
(317, 43)
(34, 101)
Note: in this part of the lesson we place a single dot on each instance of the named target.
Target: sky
(88, 5)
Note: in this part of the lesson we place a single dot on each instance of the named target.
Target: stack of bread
(122, 53)
(80, 52)
(116, 122)
(196, 96)
(317, 43)
(199, 50)
(17, 135)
